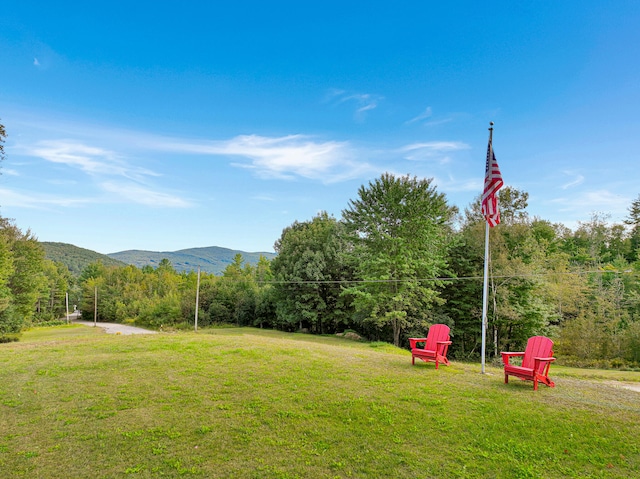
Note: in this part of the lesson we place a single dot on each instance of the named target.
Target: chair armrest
(441, 347)
(545, 360)
(413, 341)
(506, 356)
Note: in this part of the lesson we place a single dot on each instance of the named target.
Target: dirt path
(620, 384)
(115, 328)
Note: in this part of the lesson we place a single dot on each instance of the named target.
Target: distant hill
(76, 258)
(211, 259)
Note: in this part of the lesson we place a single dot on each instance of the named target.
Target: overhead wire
(440, 278)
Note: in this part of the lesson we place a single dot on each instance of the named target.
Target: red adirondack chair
(436, 345)
(536, 360)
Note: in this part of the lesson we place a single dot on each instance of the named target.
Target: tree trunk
(396, 332)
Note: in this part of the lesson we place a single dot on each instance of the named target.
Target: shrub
(350, 334)
(9, 338)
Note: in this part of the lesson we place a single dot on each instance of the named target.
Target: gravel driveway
(115, 328)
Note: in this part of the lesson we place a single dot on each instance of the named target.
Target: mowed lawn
(248, 403)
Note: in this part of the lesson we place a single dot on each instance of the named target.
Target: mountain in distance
(211, 259)
(74, 257)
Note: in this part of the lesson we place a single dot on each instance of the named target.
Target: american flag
(492, 183)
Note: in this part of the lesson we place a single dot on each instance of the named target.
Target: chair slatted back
(437, 332)
(537, 347)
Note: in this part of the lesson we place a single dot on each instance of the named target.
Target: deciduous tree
(400, 232)
(308, 271)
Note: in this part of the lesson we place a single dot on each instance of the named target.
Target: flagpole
(484, 293)
(197, 300)
(485, 285)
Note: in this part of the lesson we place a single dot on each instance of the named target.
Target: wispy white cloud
(297, 156)
(426, 118)
(132, 192)
(39, 201)
(432, 151)
(453, 185)
(422, 116)
(360, 98)
(363, 101)
(75, 155)
(437, 146)
(89, 159)
(286, 157)
(332, 94)
(367, 107)
(438, 122)
(110, 172)
(290, 157)
(577, 179)
(590, 201)
(44, 56)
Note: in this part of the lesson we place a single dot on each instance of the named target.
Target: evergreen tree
(633, 221)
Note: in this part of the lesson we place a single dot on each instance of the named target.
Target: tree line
(400, 259)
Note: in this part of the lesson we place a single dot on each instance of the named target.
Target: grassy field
(246, 403)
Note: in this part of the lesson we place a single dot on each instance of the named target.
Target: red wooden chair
(536, 360)
(436, 345)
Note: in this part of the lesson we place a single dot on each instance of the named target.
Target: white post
(95, 306)
(66, 302)
(197, 299)
(485, 288)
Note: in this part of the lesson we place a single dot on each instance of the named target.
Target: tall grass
(248, 403)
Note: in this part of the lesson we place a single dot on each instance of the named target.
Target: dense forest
(400, 259)
(75, 258)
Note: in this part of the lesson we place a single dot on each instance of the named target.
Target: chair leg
(413, 360)
(506, 378)
(546, 380)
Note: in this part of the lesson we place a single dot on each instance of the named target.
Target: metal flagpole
(197, 299)
(485, 286)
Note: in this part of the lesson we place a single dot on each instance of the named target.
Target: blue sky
(163, 126)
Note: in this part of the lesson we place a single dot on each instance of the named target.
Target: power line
(438, 279)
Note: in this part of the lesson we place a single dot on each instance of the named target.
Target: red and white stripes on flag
(492, 183)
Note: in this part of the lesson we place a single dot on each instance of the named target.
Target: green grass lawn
(247, 403)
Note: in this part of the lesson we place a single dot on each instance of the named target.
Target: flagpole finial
(490, 125)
